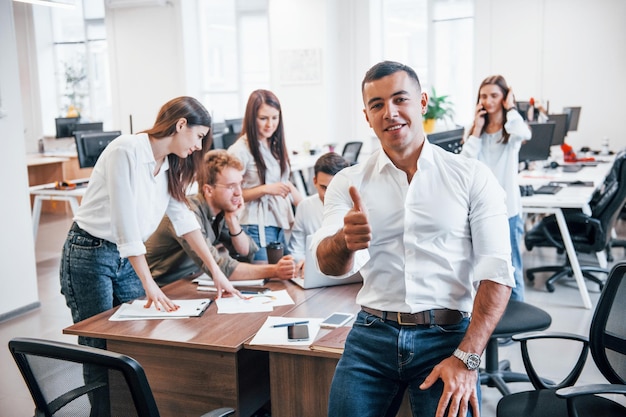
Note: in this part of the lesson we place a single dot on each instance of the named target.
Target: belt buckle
(402, 323)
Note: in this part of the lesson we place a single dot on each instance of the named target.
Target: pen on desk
(291, 324)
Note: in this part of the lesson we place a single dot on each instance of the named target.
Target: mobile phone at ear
(336, 320)
(298, 332)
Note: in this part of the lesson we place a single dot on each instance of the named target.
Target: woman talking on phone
(137, 179)
(495, 138)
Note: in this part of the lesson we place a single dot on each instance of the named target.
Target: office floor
(564, 305)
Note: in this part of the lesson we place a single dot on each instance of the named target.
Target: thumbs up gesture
(356, 228)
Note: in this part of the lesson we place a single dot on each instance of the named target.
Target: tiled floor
(564, 305)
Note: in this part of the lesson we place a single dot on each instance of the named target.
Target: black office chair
(590, 233)
(351, 152)
(517, 318)
(607, 340)
(53, 372)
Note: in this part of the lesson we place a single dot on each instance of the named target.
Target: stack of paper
(137, 311)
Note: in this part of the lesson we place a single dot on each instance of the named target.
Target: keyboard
(548, 189)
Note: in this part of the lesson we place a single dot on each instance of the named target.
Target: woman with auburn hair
(267, 191)
(137, 179)
(495, 138)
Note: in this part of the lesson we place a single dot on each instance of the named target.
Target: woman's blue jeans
(94, 278)
(272, 234)
(382, 359)
(516, 232)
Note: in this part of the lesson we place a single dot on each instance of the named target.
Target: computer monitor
(88, 127)
(560, 128)
(449, 140)
(89, 146)
(217, 130)
(538, 147)
(573, 114)
(65, 126)
(234, 125)
(522, 108)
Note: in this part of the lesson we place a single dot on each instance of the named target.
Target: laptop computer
(315, 279)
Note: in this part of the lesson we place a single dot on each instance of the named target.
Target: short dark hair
(330, 163)
(385, 68)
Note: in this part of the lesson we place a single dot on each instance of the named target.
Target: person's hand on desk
(224, 286)
(285, 268)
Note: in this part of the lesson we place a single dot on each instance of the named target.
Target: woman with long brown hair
(267, 190)
(495, 138)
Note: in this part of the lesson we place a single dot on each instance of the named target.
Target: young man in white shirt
(439, 272)
(310, 211)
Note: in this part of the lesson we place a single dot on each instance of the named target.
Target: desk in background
(45, 169)
(568, 197)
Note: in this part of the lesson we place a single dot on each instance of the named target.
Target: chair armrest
(533, 375)
(570, 392)
(220, 412)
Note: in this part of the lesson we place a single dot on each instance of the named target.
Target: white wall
(569, 52)
(18, 279)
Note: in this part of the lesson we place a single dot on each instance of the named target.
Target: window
(434, 37)
(235, 54)
(79, 50)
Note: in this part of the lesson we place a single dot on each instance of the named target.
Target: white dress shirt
(433, 239)
(124, 202)
(309, 215)
(501, 158)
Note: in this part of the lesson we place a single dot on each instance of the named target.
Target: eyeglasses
(230, 187)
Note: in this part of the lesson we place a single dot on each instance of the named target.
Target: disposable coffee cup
(274, 252)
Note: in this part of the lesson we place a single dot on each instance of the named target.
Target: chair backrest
(351, 151)
(55, 373)
(607, 336)
(607, 202)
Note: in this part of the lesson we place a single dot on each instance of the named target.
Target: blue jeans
(516, 231)
(94, 278)
(272, 234)
(382, 359)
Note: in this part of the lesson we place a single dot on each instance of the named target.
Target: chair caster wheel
(530, 277)
(550, 287)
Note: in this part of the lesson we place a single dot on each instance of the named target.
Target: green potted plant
(439, 107)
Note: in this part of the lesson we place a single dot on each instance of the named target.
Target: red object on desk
(570, 156)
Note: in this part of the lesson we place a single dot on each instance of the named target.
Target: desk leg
(36, 216)
(571, 253)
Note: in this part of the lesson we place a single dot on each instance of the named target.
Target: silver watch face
(473, 361)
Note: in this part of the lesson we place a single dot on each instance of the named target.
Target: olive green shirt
(170, 257)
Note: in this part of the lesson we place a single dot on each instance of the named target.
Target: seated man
(216, 205)
(310, 211)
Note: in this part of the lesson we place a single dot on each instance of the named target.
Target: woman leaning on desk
(137, 179)
(495, 138)
(267, 191)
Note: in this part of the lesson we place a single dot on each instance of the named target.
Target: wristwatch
(471, 360)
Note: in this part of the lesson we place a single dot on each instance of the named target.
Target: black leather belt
(441, 316)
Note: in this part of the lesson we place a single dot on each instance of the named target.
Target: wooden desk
(196, 364)
(568, 197)
(300, 378)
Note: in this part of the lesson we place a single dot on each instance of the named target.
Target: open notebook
(315, 279)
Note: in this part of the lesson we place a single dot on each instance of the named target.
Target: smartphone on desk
(298, 332)
(336, 320)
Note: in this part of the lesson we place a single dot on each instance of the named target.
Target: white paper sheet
(254, 302)
(137, 311)
(268, 335)
(206, 280)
